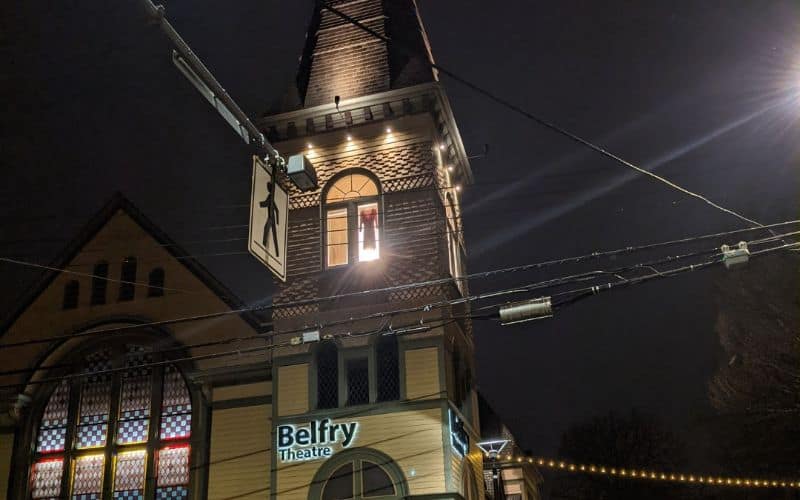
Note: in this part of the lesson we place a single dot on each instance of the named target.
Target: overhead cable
(541, 121)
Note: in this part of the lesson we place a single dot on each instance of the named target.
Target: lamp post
(491, 450)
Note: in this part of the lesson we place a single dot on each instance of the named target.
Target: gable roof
(119, 202)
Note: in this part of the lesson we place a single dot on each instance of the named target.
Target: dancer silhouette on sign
(270, 225)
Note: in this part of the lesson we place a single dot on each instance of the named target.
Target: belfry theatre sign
(317, 439)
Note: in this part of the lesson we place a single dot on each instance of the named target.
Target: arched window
(388, 365)
(71, 294)
(352, 219)
(155, 283)
(107, 430)
(327, 375)
(453, 240)
(128, 277)
(356, 474)
(99, 283)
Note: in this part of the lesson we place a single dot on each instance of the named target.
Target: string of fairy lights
(507, 460)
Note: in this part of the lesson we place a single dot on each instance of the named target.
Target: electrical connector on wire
(732, 256)
(526, 310)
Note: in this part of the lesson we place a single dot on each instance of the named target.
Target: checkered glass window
(99, 430)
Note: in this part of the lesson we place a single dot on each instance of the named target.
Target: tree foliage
(635, 441)
(756, 390)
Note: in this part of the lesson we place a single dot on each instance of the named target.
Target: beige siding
(239, 462)
(412, 438)
(242, 391)
(422, 373)
(292, 389)
(6, 449)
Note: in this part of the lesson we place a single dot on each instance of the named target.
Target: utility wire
(479, 275)
(418, 326)
(541, 121)
(585, 276)
(412, 328)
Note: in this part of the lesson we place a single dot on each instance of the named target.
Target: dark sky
(694, 89)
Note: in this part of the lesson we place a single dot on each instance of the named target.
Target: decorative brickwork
(342, 59)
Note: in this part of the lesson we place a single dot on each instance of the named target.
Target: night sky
(696, 90)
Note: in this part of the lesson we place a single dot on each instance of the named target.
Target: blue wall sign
(459, 439)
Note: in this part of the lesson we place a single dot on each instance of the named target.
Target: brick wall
(342, 59)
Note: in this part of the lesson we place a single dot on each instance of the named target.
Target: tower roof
(341, 59)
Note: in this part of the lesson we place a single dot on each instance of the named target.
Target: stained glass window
(95, 401)
(53, 428)
(176, 409)
(87, 480)
(46, 478)
(135, 395)
(113, 447)
(129, 475)
(173, 473)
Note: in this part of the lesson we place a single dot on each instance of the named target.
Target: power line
(414, 327)
(408, 329)
(541, 121)
(479, 275)
(586, 276)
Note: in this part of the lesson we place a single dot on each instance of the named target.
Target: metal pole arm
(186, 56)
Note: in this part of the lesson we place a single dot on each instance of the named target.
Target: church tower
(372, 390)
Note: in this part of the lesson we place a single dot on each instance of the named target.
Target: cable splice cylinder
(526, 310)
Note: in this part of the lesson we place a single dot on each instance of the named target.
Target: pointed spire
(341, 59)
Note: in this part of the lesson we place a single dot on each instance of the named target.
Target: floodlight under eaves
(301, 172)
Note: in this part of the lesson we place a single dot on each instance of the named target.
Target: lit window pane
(95, 402)
(337, 237)
(134, 404)
(129, 475)
(46, 478)
(350, 187)
(173, 473)
(87, 481)
(53, 429)
(368, 232)
(176, 409)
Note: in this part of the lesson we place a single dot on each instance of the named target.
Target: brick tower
(395, 388)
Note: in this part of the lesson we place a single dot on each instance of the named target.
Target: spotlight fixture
(310, 146)
(349, 138)
(450, 168)
(388, 130)
(442, 147)
(458, 188)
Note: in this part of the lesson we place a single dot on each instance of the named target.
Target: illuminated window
(453, 239)
(120, 413)
(352, 220)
